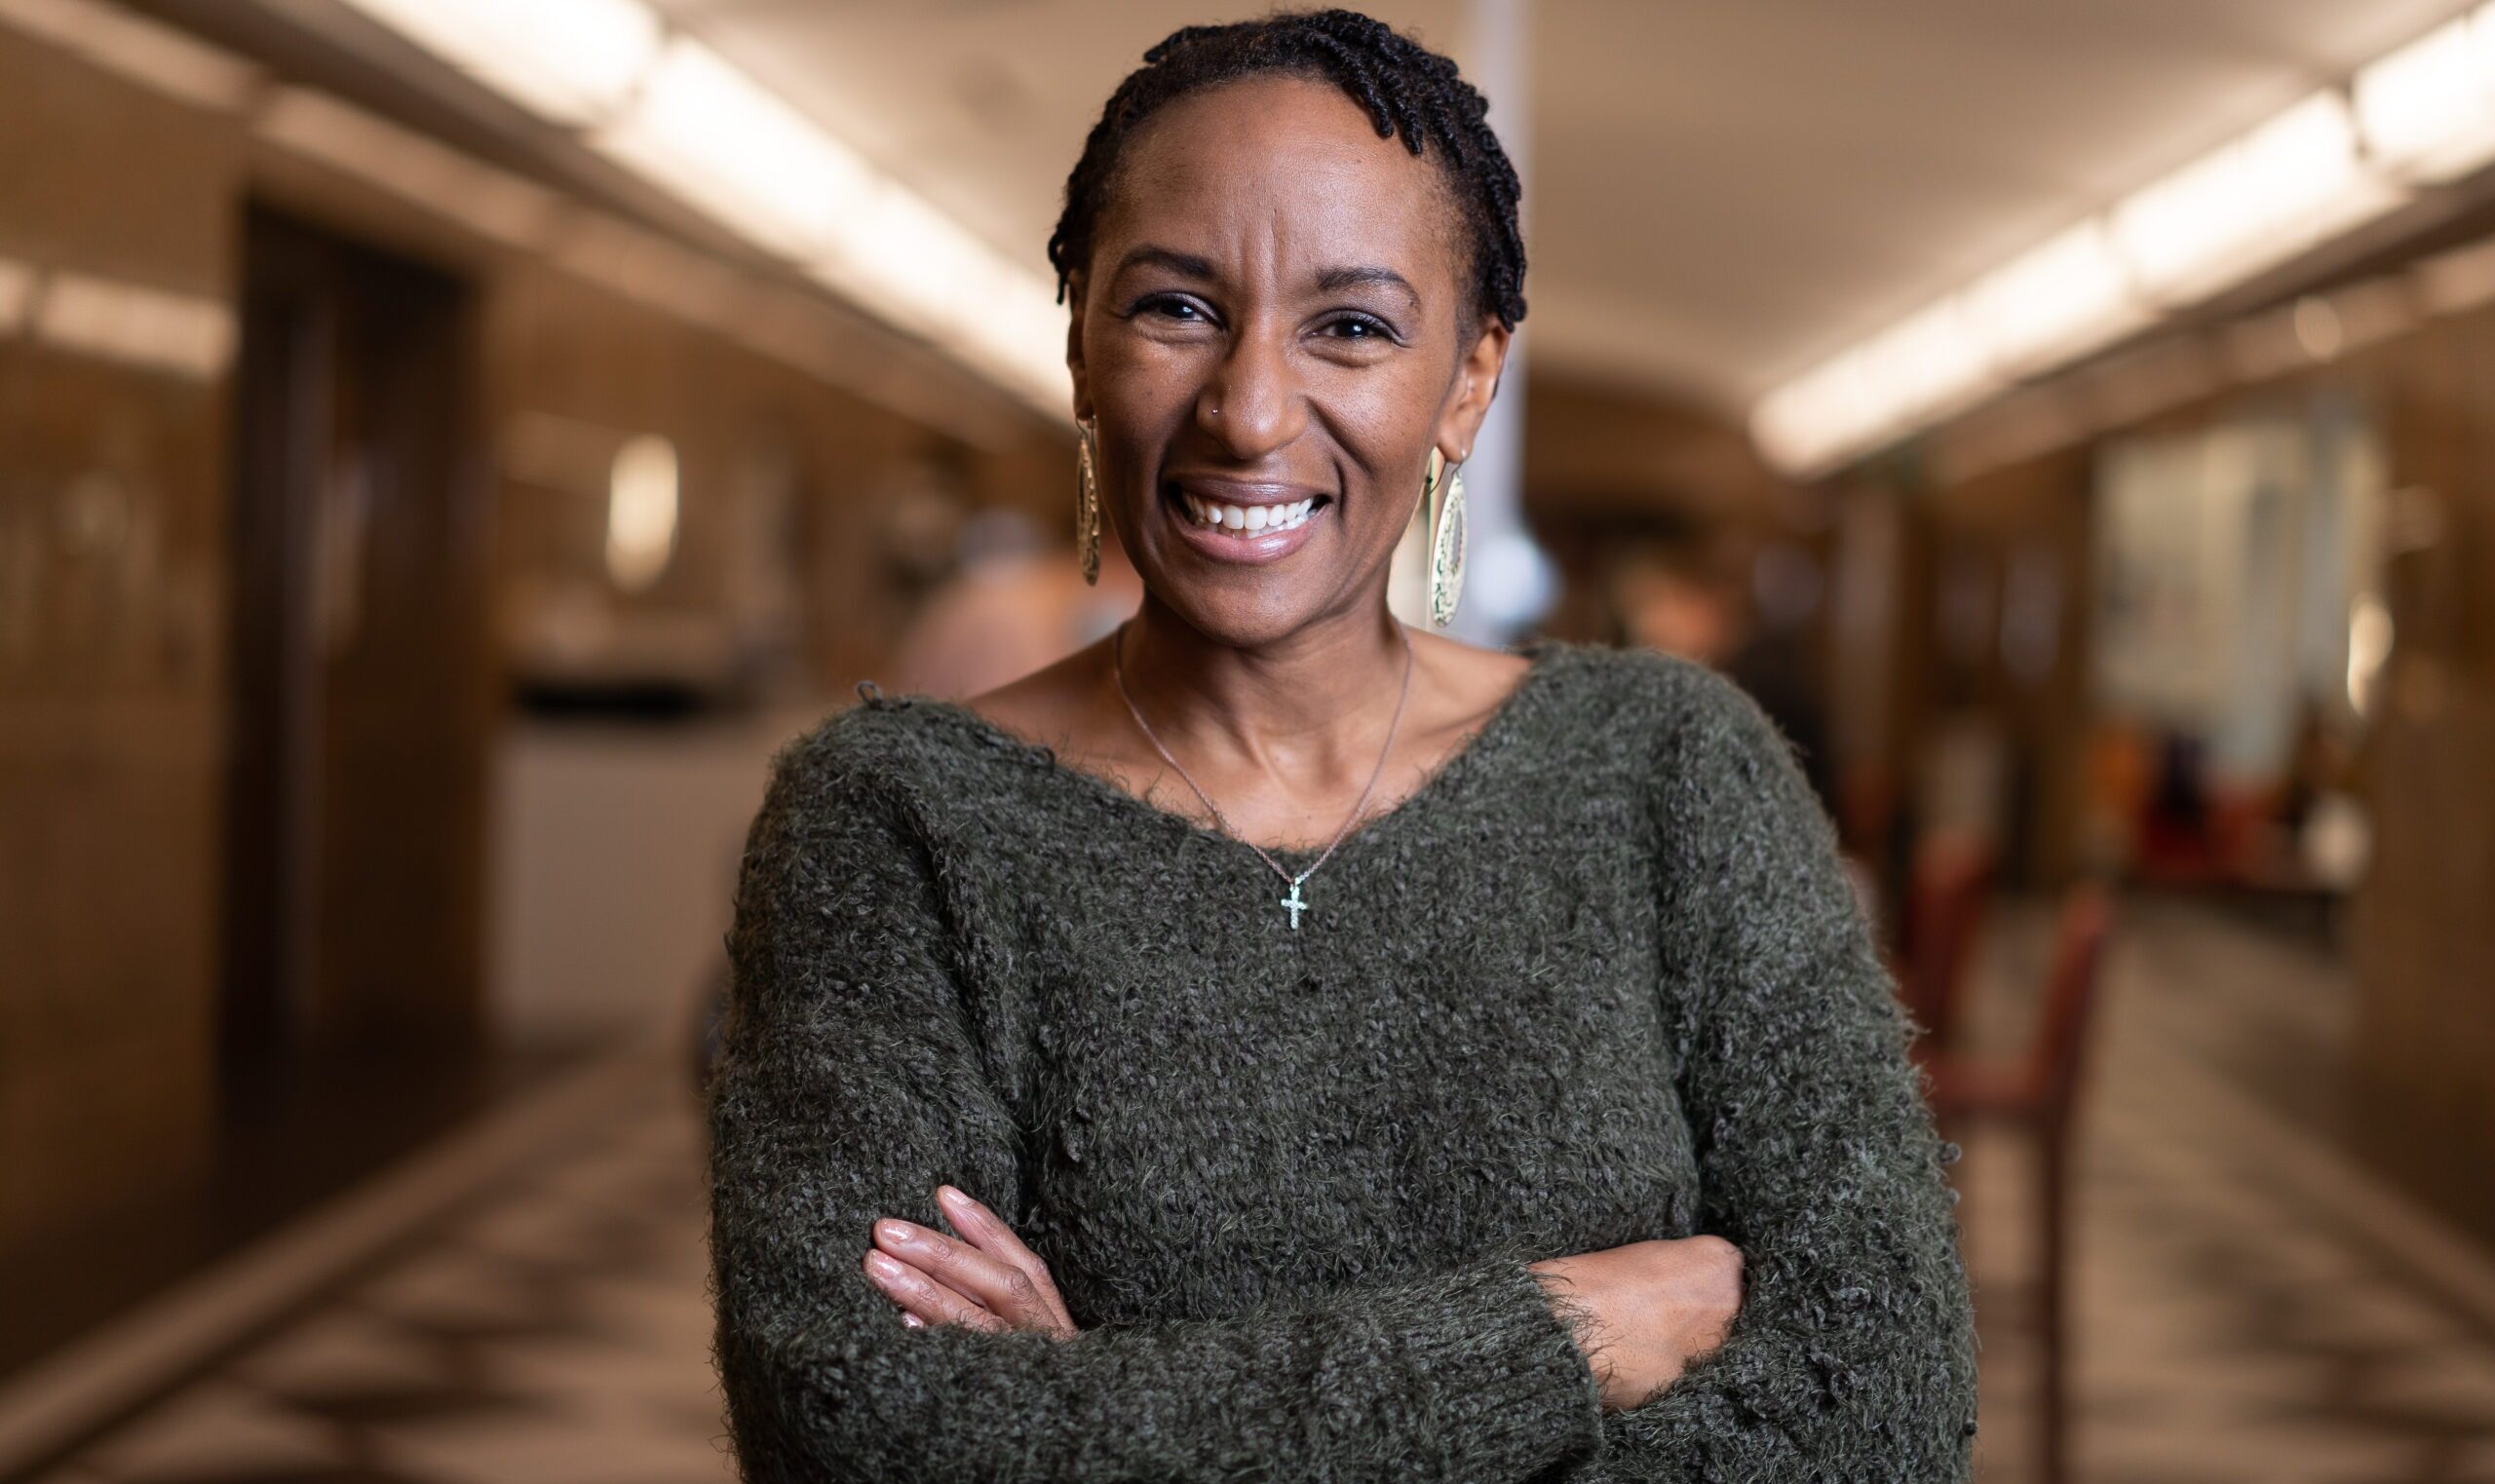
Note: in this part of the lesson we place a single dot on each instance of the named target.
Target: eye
(1359, 328)
(1173, 308)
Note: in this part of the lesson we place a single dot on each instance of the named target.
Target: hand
(1647, 1309)
(985, 1279)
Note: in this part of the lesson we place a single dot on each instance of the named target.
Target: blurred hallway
(446, 446)
(2257, 1308)
(2254, 1305)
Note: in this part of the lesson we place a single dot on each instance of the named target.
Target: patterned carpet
(561, 1334)
(2249, 1304)
(2250, 1309)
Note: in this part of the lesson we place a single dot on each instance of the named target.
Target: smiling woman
(1238, 361)
(1053, 1140)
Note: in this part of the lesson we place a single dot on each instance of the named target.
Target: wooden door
(360, 673)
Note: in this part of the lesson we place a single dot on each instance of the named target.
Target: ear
(1074, 346)
(1476, 381)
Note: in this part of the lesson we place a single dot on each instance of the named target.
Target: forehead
(1282, 167)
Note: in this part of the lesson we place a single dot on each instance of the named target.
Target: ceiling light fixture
(571, 61)
(2250, 203)
(2063, 299)
(2323, 167)
(2427, 111)
(712, 134)
(686, 117)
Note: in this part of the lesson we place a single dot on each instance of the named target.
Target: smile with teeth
(1212, 515)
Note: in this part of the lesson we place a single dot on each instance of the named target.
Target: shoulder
(881, 734)
(1646, 699)
(1711, 758)
(867, 762)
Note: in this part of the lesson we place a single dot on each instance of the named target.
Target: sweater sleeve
(1853, 1358)
(851, 1083)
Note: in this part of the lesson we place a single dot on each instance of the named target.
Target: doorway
(362, 695)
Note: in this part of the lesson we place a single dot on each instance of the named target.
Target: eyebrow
(1185, 264)
(1189, 265)
(1360, 278)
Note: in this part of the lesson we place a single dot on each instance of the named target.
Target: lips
(1242, 521)
(1216, 514)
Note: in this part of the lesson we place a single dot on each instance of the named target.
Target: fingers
(1004, 1291)
(925, 1299)
(985, 1273)
(987, 1231)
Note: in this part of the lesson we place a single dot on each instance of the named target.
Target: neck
(1320, 698)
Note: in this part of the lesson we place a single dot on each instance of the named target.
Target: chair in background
(2036, 1093)
(1952, 890)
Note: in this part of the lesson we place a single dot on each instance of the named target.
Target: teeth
(1249, 518)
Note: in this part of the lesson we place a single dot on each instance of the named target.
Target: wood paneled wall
(2422, 939)
(115, 549)
(112, 563)
(2425, 922)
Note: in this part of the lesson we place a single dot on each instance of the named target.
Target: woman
(1272, 1044)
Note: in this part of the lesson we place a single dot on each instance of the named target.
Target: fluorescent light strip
(2248, 204)
(712, 134)
(686, 118)
(2063, 299)
(2326, 164)
(2427, 111)
(708, 132)
(573, 61)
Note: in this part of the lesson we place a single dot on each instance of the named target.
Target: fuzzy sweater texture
(1600, 979)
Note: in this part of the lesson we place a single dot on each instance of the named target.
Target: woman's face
(1274, 314)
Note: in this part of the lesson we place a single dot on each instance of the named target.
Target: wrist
(1563, 1285)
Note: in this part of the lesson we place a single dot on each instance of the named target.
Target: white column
(1508, 581)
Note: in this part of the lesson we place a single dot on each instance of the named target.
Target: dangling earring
(1442, 492)
(1086, 497)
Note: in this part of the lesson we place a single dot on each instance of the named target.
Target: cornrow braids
(1409, 91)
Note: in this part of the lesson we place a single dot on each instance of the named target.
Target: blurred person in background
(1050, 1139)
(1690, 596)
(1016, 603)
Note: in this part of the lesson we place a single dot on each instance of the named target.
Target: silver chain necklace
(1294, 903)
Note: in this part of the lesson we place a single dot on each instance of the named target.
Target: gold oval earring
(1086, 497)
(1442, 493)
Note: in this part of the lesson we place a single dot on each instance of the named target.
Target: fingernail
(913, 1321)
(895, 1231)
(882, 1266)
(954, 1198)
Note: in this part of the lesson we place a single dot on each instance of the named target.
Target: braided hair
(1406, 89)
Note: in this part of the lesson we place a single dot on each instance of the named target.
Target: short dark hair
(1406, 89)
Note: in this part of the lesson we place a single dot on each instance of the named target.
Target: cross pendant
(1296, 907)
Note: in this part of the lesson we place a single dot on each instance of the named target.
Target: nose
(1252, 403)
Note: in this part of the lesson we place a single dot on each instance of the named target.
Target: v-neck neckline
(1545, 656)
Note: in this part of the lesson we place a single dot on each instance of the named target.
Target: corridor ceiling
(1721, 192)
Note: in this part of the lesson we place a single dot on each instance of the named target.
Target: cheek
(1145, 399)
(1382, 421)
(1140, 380)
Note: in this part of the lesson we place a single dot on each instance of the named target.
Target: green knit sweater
(1600, 979)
